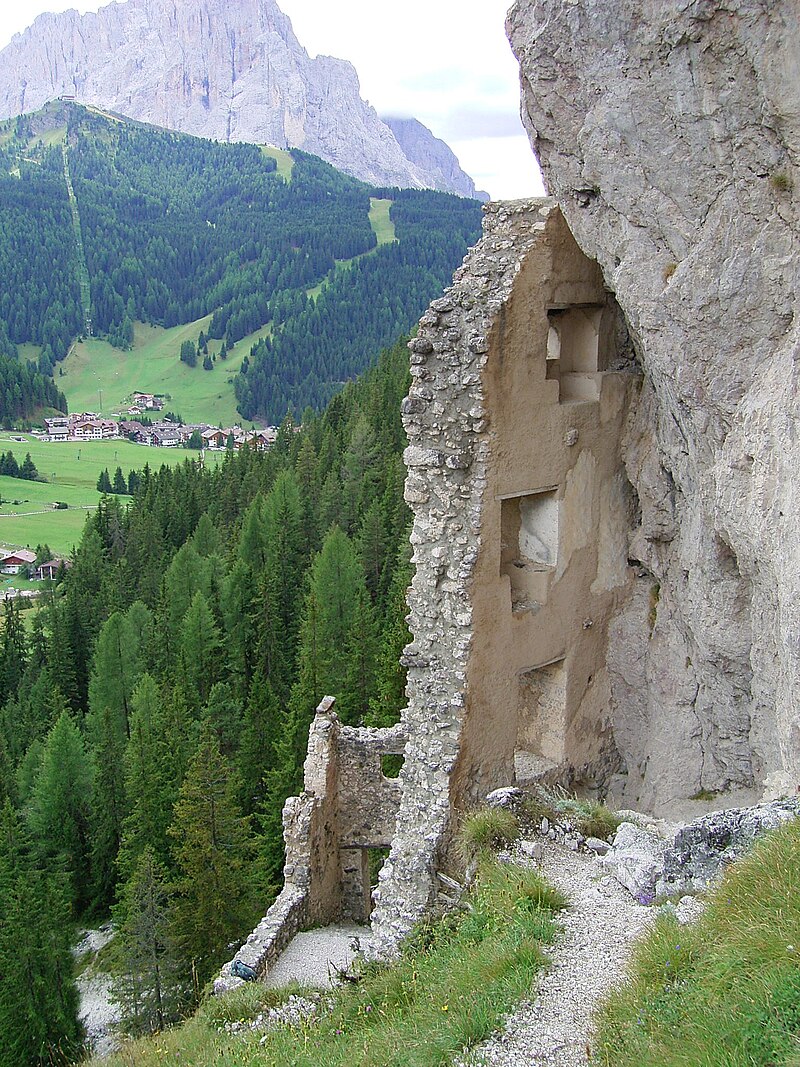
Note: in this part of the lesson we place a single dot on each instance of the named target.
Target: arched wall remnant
(522, 381)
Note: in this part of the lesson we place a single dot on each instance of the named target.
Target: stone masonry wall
(347, 806)
(473, 601)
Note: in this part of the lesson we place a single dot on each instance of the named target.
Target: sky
(444, 62)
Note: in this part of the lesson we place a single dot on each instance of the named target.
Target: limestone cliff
(231, 71)
(669, 133)
(432, 156)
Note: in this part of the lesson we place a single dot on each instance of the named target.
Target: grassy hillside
(27, 517)
(725, 991)
(449, 991)
(95, 369)
(95, 376)
(105, 223)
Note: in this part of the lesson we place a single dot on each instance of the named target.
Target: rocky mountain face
(231, 71)
(432, 156)
(669, 132)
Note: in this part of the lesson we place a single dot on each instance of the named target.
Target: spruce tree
(262, 726)
(150, 780)
(148, 985)
(201, 649)
(38, 998)
(212, 849)
(327, 629)
(59, 813)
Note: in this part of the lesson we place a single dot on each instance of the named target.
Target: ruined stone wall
(347, 807)
(521, 384)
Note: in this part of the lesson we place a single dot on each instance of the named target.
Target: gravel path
(312, 957)
(555, 1028)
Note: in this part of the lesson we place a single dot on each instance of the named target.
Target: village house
(93, 429)
(147, 402)
(17, 560)
(57, 429)
(215, 438)
(49, 571)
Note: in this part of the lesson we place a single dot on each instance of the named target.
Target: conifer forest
(155, 712)
(154, 707)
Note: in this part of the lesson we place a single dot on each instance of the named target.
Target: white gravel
(312, 958)
(96, 1010)
(554, 1028)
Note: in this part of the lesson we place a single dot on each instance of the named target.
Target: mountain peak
(230, 70)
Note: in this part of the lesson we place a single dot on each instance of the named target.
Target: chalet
(147, 402)
(133, 430)
(17, 560)
(49, 571)
(93, 429)
(58, 428)
(161, 437)
(215, 438)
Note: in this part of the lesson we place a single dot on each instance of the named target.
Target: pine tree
(119, 485)
(104, 482)
(262, 726)
(201, 649)
(212, 848)
(13, 653)
(120, 658)
(223, 713)
(361, 661)
(326, 631)
(147, 983)
(281, 583)
(28, 469)
(389, 696)
(150, 779)
(38, 998)
(239, 611)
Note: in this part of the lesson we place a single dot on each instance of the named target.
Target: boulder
(701, 851)
(636, 860)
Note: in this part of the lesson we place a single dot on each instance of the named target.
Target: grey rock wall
(231, 71)
(432, 156)
(669, 133)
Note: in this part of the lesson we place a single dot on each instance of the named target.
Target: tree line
(154, 716)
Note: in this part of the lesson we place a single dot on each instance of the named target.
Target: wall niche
(529, 546)
(573, 351)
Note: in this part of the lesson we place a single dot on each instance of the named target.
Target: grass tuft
(588, 817)
(723, 991)
(487, 831)
(780, 181)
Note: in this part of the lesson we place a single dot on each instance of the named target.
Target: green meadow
(282, 158)
(27, 515)
(95, 376)
(382, 227)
